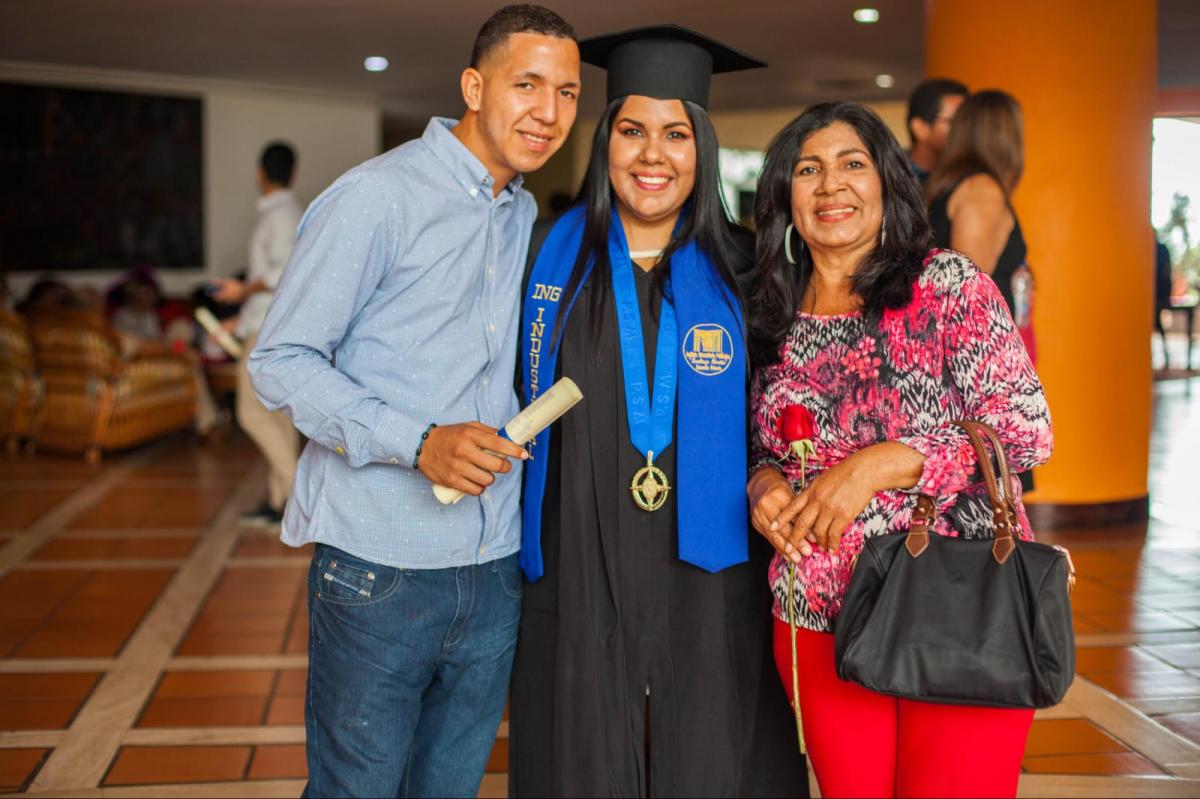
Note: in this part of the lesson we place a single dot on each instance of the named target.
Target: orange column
(1084, 72)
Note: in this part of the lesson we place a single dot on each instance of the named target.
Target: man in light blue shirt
(391, 342)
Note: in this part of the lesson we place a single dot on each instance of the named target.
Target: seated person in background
(136, 318)
(46, 294)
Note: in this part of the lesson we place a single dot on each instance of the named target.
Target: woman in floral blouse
(884, 342)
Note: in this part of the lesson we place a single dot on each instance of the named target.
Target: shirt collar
(464, 166)
(273, 200)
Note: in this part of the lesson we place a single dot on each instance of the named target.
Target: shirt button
(491, 328)
(483, 550)
(339, 450)
(395, 460)
(473, 191)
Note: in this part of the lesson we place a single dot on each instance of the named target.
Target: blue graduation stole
(711, 503)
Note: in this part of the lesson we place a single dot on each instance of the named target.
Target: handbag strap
(997, 480)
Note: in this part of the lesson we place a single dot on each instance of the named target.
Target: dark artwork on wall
(99, 180)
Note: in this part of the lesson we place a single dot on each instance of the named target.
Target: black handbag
(967, 622)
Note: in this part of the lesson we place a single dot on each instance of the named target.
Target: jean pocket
(508, 573)
(346, 580)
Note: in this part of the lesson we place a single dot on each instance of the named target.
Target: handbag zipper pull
(1070, 569)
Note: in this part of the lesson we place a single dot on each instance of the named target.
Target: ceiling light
(375, 63)
(885, 81)
(866, 15)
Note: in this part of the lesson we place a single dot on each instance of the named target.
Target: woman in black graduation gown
(643, 664)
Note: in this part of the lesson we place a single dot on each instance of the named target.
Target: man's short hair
(517, 19)
(926, 100)
(278, 161)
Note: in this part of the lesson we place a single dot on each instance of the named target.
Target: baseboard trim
(1056, 516)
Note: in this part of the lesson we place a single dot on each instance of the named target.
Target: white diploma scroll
(220, 335)
(524, 427)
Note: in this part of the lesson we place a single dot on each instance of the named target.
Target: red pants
(862, 743)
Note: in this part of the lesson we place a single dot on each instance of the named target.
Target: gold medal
(650, 486)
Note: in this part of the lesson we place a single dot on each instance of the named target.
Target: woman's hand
(822, 511)
(770, 493)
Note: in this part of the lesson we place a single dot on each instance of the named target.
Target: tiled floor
(147, 640)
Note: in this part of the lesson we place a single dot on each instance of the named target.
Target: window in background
(1175, 196)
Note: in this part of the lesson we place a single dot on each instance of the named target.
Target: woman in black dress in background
(970, 209)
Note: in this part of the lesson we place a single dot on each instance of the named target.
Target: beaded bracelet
(421, 445)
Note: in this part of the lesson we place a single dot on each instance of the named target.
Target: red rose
(796, 424)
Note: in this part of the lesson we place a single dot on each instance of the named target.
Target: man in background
(931, 109)
(392, 344)
(270, 248)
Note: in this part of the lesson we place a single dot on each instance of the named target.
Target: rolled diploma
(524, 427)
(220, 335)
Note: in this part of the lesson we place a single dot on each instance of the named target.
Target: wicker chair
(22, 393)
(97, 400)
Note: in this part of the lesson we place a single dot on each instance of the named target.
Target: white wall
(330, 132)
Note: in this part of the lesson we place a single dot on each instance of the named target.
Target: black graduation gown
(618, 612)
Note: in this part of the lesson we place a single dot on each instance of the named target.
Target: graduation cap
(667, 62)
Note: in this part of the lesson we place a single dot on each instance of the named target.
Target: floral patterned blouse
(952, 353)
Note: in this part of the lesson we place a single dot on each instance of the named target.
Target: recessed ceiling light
(885, 81)
(866, 15)
(375, 63)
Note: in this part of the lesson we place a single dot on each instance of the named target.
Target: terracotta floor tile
(1113, 763)
(206, 712)
(76, 549)
(47, 686)
(218, 624)
(232, 645)
(1069, 737)
(147, 765)
(24, 506)
(1105, 658)
(224, 684)
(498, 759)
(17, 766)
(125, 584)
(155, 548)
(1102, 600)
(1186, 724)
(278, 763)
(286, 710)
(40, 714)
(33, 595)
(88, 642)
(292, 683)
(253, 545)
(139, 507)
(297, 643)
(1147, 685)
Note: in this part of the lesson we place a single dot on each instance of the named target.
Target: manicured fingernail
(524, 455)
(788, 548)
(774, 525)
(795, 556)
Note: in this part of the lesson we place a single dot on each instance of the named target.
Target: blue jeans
(407, 677)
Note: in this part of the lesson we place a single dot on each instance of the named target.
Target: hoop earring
(883, 232)
(787, 244)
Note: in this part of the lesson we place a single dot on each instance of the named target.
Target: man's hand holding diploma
(467, 456)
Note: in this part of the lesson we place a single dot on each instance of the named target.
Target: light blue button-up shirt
(399, 307)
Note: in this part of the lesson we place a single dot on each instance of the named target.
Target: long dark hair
(706, 219)
(986, 137)
(885, 276)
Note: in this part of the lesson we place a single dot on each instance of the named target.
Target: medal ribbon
(650, 420)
